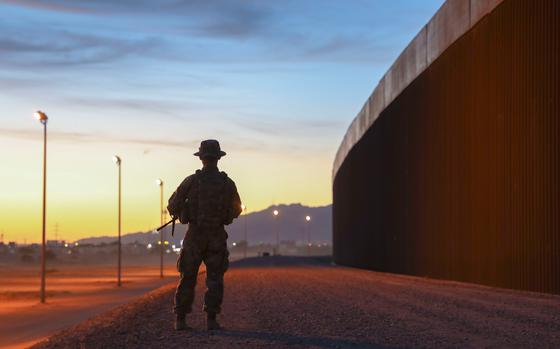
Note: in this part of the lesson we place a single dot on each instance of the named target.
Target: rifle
(173, 219)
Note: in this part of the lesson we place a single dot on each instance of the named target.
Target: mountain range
(261, 227)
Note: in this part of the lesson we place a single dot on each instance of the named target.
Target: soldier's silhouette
(206, 200)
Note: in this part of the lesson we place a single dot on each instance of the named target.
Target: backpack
(207, 199)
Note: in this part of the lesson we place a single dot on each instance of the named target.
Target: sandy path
(283, 302)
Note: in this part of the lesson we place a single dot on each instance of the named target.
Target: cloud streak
(139, 57)
(62, 48)
(64, 7)
(147, 145)
(150, 106)
(78, 137)
(202, 32)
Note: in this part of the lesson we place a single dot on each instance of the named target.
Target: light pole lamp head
(117, 160)
(275, 213)
(41, 117)
(307, 218)
(159, 182)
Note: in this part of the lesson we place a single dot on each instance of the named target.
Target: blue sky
(277, 82)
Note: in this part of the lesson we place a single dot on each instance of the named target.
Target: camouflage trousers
(208, 246)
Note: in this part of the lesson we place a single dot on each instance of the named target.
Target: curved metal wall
(458, 177)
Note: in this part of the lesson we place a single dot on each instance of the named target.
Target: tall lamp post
(117, 161)
(307, 220)
(159, 182)
(276, 213)
(244, 208)
(42, 117)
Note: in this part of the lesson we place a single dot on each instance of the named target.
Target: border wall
(452, 168)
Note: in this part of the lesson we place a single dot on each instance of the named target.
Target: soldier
(207, 200)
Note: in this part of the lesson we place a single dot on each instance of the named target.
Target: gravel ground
(286, 302)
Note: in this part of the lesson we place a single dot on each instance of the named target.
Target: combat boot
(212, 323)
(181, 323)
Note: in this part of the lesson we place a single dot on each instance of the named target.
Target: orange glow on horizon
(82, 186)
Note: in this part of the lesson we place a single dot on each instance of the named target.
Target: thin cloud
(146, 145)
(217, 18)
(157, 107)
(229, 19)
(172, 108)
(275, 127)
(77, 137)
(186, 31)
(63, 48)
(343, 48)
(49, 6)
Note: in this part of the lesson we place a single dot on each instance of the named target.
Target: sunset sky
(277, 82)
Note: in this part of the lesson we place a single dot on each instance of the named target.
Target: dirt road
(74, 293)
(298, 303)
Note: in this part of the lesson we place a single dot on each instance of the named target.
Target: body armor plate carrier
(208, 199)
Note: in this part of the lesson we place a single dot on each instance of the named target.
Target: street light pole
(117, 160)
(307, 220)
(275, 213)
(42, 117)
(161, 220)
(244, 208)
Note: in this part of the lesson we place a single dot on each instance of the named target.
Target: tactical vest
(208, 199)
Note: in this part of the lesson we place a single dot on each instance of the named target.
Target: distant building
(55, 243)
(288, 243)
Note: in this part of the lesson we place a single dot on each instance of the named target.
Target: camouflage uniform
(212, 202)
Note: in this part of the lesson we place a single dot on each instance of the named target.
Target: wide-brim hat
(210, 148)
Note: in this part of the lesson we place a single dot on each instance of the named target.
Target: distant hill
(261, 227)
